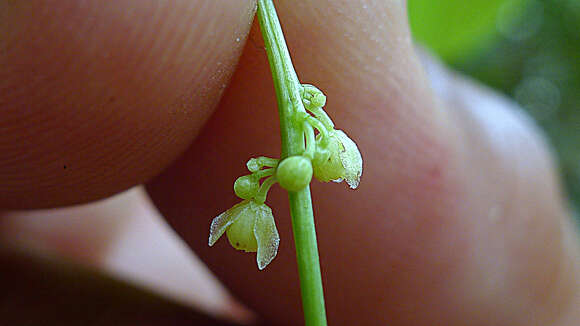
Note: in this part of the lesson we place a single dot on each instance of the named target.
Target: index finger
(97, 96)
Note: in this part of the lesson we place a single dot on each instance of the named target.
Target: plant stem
(287, 87)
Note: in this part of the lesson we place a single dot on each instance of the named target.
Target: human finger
(96, 97)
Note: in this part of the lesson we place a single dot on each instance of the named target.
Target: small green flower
(250, 227)
(338, 160)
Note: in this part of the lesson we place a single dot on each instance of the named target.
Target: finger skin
(448, 227)
(96, 96)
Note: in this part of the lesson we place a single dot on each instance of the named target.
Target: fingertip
(101, 96)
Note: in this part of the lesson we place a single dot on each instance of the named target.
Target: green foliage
(455, 29)
(527, 49)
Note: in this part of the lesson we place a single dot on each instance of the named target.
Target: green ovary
(241, 233)
(330, 168)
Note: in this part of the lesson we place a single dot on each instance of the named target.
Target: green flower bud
(312, 97)
(294, 173)
(256, 163)
(246, 186)
(319, 100)
(253, 165)
(250, 227)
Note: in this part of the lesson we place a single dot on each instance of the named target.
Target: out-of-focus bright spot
(548, 66)
(517, 22)
(572, 16)
(574, 120)
(540, 96)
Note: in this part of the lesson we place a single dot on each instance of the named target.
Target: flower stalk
(311, 147)
(287, 89)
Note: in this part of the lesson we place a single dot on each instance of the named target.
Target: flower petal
(225, 219)
(350, 158)
(266, 236)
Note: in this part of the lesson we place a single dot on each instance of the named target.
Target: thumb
(450, 225)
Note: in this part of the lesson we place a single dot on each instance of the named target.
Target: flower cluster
(336, 157)
(329, 155)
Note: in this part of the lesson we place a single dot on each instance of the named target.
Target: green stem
(264, 188)
(287, 89)
(264, 173)
(323, 117)
(319, 126)
(310, 140)
(267, 161)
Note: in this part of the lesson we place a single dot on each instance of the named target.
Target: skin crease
(458, 219)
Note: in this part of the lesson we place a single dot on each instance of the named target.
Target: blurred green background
(527, 49)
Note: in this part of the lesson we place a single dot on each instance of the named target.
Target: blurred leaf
(527, 49)
(455, 29)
